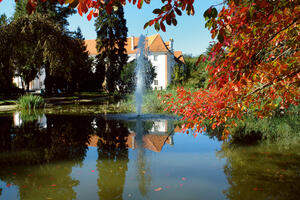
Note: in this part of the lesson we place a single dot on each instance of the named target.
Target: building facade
(160, 54)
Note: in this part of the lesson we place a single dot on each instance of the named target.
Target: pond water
(92, 157)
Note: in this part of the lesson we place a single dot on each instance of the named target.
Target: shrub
(31, 102)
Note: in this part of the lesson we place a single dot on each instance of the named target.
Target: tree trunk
(48, 81)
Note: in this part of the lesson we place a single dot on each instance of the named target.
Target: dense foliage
(41, 42)
(32, 42)
(256, 64)
(111, 39)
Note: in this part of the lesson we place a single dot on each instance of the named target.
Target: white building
(160, 53)
(36, 84)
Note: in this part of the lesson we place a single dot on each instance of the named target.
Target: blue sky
(190, 35)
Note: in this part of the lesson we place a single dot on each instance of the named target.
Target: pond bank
(59, 101)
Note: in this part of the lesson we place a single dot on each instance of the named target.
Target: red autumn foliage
(255, 64)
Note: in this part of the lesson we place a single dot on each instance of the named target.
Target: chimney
(171, 44)
(132, 43)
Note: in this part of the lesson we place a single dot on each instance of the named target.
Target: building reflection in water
(113, 138)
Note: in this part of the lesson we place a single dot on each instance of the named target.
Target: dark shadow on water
(31, 152)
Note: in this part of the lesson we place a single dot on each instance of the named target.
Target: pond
(95, 157)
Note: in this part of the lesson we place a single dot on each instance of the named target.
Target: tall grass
(30, 102)
(151, 103)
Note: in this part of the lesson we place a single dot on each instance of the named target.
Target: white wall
(160, 68)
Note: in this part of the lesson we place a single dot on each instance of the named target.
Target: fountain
(140, 75)
(140, 78)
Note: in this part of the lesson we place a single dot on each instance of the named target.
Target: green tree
(197, 75)
(111, 39)
(30, 42)
(3, 20)
(6, 72)
(56, 12)
(81, 64)
(74, 72)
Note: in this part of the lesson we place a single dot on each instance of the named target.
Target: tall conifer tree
(111, 40)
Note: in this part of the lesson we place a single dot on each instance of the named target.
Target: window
(155, 82)
(155, 58)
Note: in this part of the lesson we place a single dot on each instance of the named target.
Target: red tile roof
(178, 54)
(153, 42)
(152, 142)
(91, 47)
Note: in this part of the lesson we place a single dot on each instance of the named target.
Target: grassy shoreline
(278, 128)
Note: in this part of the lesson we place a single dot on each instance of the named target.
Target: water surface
(90, 157)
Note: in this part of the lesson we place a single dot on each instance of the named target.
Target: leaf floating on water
(181, 184)
(158, 189)
(93, 170)
(258, 189)
(167, 187)
(183, 178)
(8, 185)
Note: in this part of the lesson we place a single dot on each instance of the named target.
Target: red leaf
(181, 184)
(109, 8)
(8, 185)
(79, 9)
(158, 189)
(162, 26)
(89, 17)
(61, 2)
(140, 3)
(258, 189)
(183, 178)
(93, 170)
(96, 13)
(53, 185)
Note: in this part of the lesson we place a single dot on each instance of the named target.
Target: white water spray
(140, 75)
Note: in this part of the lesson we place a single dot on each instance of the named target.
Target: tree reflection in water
(262, 172)
(112, 158)
(30, 155)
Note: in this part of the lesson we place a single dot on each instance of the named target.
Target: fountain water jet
(140, 75)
